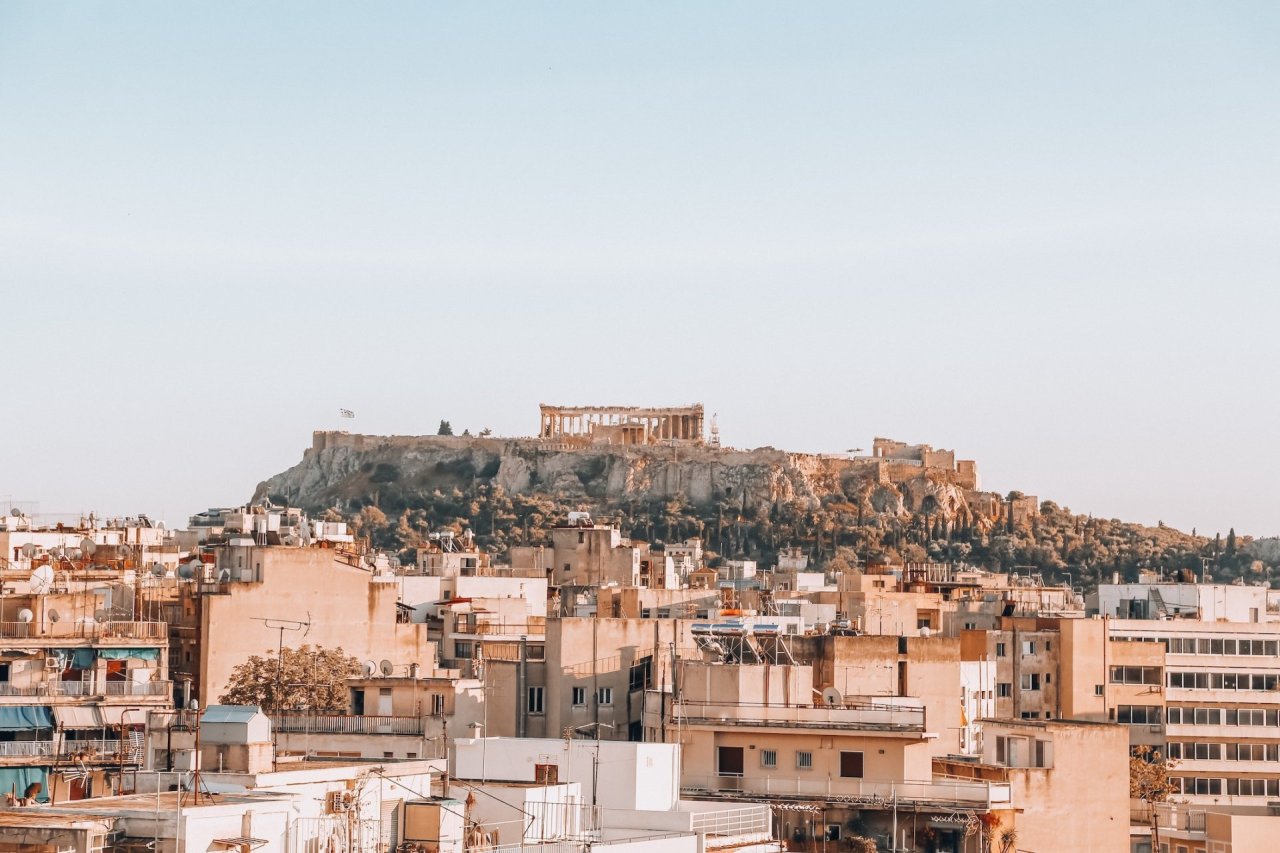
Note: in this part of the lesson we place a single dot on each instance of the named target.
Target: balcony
(88, 687)
(84, 630)
(950, 794)
(81, 750)
(871, 716)
(138, 688)
(535, 627)
(339, 724)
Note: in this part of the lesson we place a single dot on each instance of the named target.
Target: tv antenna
(282, 625)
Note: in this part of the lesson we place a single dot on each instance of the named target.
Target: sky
(1044, 235)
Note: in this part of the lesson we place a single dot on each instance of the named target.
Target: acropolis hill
(663, 475)
(601, 456)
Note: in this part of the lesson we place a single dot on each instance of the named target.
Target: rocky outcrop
(347, 471)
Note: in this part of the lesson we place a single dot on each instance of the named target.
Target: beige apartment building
(1069, 780)
(834, 766)
(250, 599)
(1206, 695)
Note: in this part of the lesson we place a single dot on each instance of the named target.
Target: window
(1099, 690)
(729, 760)
(1048, 645)
(1140, 714)
(566, 567)
(462, 650)
(604, 696)
(579, 696)
(851, 765)
(768, 758)
(1031, 681)
(1004, 689)
(641, 673)
(1001, 650)
(804, 760)
(535, 700)
(546, 774)
(1028, 647)
(582, 537)
(1135, 675)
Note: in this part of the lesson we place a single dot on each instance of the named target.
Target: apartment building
(1070, 780)
(578, 794)
(836, 766)
(81, 666)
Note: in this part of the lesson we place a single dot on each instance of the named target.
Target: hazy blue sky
(1046, 236)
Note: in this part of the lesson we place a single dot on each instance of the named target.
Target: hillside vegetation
(743, 504)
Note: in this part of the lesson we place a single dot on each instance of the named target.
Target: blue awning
(17, 718)
(16, 781)
(127, 654)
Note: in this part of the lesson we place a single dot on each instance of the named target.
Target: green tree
(308, 678)
(445, 428)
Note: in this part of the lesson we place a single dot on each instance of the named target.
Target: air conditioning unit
(52, 663)
(338, 801)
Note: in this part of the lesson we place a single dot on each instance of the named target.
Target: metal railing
(7, 689)
(81, 749)
(85, 630)
(749, 820)
(532, 626)
(138, 688)
(864, 792)
(851, 716)
(1174, 816)
(338, 724)
(14, 748)
(89, 687)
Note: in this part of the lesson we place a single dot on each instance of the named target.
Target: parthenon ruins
(622, 424)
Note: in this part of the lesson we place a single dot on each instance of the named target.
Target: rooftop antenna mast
(282, 625)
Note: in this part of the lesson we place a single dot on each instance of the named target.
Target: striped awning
(115, 715)
(251, 843)
(77, 716)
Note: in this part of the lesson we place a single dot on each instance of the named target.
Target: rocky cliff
(349, 471)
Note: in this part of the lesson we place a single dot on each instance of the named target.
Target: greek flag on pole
(346, 413)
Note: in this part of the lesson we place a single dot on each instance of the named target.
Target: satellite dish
(157, 570)
(123, 551)
(29, 550)
(59, 552)
(186, 572)
(88, 546)
(53, 615)
(832, 696)
(370, 668)
(75, 553)
(925, 631)
(25, 615)
(42, 580)
(387, 668)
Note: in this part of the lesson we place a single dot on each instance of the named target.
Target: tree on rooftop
(308, 679)
(445, 428)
